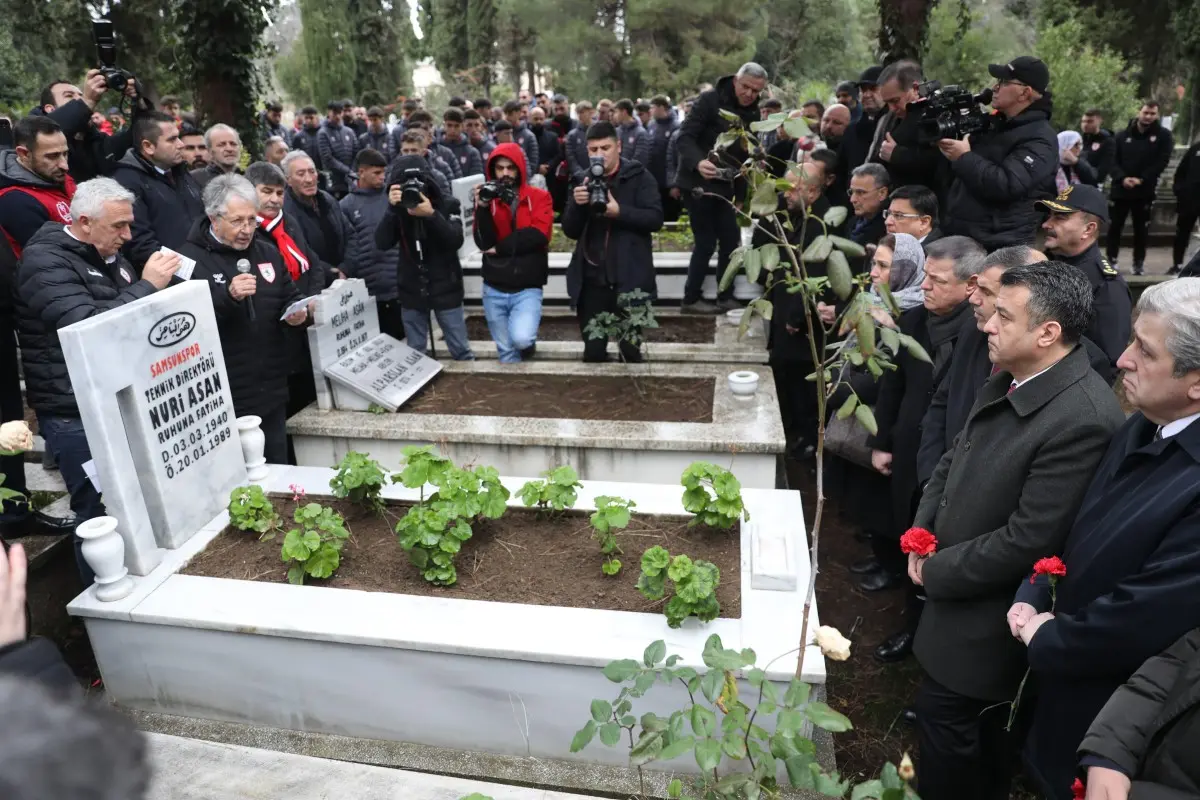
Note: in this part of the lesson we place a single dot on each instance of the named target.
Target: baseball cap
(1028, 70)
(870, 76)
(1079, 197)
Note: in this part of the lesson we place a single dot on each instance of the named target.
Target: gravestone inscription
(153, 393)
(462, 188)
(385, 371)
(344, 318)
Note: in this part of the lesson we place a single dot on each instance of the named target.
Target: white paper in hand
(186, 265)
(299, 305)
(89, 469)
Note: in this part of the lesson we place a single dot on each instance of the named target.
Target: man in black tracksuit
(997, 176)
(306, 139)
(613, 251)
(1099, 148)
(364, 208)
(1143, 151)
(338, 144)
(664, 124)
(704, 179)
(377, 137)
(167, 196)
(1186, 186)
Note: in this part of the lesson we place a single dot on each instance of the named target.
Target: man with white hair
(249, 303)
(69, 273)
(319, 215)
(274, 149)
(224, 151)
(1133, 555)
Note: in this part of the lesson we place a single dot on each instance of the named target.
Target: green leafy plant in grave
(817, 269)
(359, 478)
(375, 408)
(434, 530)
(713, 494)
(556, 491)
(761, 732)
(611, 513)
(251, 510)
(629, 324)
(315, 547)
(695, 585)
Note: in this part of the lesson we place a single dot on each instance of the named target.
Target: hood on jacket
(513, 152)
(13, 174)
(416, 162)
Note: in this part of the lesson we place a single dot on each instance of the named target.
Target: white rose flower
(15, 436)
(832, 643)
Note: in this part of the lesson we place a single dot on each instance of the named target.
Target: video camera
(412, 186)
(597, 185)
(503, 191)
(949, 112)
(115, 78)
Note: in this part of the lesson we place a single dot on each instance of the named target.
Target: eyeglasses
(240, 222)
(1010, 82)
(889, 214)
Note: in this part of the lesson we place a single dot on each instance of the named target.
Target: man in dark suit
(869, 186)
(1133, 554)
(1001, 499)
(913, 209)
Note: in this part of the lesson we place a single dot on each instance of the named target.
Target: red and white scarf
(296, 263)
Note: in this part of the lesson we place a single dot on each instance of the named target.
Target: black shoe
(36, 523)
(865, 566)
(909, 715)
(862, 536)
(529, 352)
(1174, 270)
(879, 580)
(1138, 269)
(896, 647)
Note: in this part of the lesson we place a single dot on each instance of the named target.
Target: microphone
(243, 268)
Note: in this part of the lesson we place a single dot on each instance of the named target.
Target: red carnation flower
(919, 541)
(1053, 567)
(1078, 790)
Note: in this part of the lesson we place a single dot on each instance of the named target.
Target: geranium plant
(694, 585)
(557, 490)
(359, 478)
(713, 494)
(251, 510)
(314, 548)
(611, 513)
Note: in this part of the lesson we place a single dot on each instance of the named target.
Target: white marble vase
(104, 551)
(254, 442)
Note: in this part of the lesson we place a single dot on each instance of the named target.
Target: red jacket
(521, 249)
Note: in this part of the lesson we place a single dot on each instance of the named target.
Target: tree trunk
(902, 28)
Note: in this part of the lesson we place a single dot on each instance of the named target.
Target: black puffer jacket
(1150, 729)
(428, 278)
(379, 142)
(256, 353)
(90, 152)
(61, 281)
(1186, 183)
(311, 282)
(660, 139)
(306, 139)
(1140, 154)
(338, 144)
(996, 184)
(618, 251)
(364, 209)
(699, 133)
(1099, 150)
(323, 225)
(164, 206)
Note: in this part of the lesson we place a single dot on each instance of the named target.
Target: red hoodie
(520, 260)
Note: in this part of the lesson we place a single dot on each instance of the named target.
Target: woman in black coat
(249, 304)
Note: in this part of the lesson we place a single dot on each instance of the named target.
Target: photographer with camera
(896, 144)
(706, 179)
(1003, 168)
(613, 213)
(425, 229)
(513, 225)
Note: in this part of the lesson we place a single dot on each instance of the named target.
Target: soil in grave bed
(523, 557)
(670, 330)
(592, 397)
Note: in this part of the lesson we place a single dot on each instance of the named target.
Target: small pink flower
(298, 493)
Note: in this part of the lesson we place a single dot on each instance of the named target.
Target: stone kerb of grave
(150, 381)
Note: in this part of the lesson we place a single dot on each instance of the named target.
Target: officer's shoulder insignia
(1107, 270)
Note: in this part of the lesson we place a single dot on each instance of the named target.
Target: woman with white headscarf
(1072, 167)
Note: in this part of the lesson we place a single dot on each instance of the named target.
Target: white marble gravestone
(153, 393)
(384, 371)
(345, 318)
(462, 188)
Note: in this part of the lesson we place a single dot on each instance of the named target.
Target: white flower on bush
(15, 436)
(832, 643)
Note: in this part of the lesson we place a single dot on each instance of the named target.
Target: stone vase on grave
(104, 551)
(254, 442)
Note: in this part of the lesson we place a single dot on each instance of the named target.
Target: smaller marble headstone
(462, 188)
(150, 381)
(344, 319)
(384, 371)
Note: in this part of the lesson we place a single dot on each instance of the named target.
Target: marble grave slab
(345, 318)
(462, 188)
(385, 371)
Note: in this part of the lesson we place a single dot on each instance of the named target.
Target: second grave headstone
(344, 318)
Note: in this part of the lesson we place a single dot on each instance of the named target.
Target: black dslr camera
(412, 185)
(597, 185)
(115, 78)
(503, 191)
(949, 112)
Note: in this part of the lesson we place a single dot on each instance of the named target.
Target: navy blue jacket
(164, 206)
(338, 146)
(306, 139)
(660, 141)
(1132, 585)
(382, 143)
(364, 209)
(470, 162)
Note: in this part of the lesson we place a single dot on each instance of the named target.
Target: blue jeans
(513, 320)
(67, 442)
(452, 321)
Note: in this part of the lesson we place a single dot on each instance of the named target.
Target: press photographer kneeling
(613, 213)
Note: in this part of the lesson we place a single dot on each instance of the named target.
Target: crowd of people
(1008, 443)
